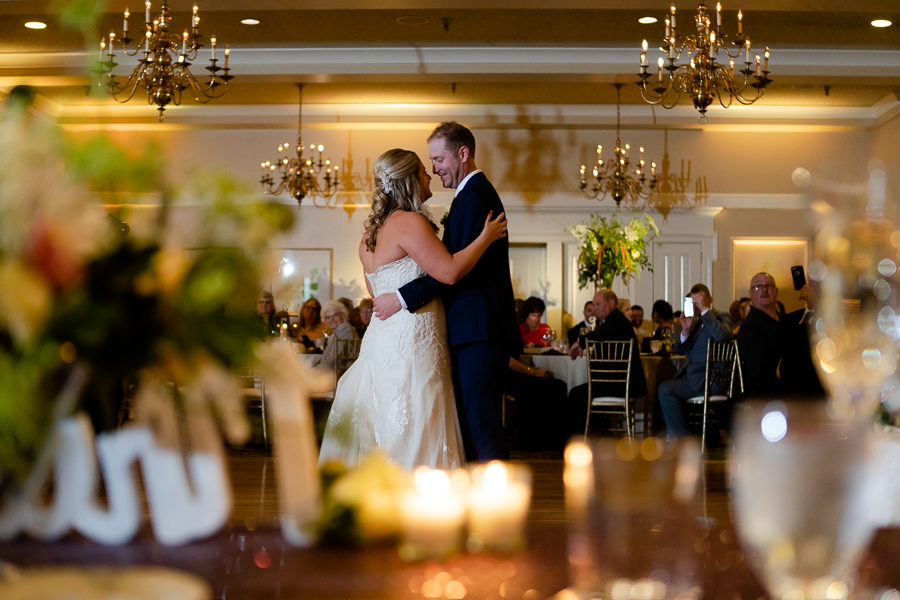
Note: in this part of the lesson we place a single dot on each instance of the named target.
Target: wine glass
(855, 277)
(799, 497)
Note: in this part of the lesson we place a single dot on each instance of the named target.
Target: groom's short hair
(455, 136)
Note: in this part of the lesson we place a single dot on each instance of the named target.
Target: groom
(481, 323)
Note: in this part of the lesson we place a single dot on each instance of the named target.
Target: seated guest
(334, 314)
(611, 326)
(692, 334)
(737, 311)
(362, 316)
(530, 326)
(311, 327)
(664, 319)
(798, 376)
(575, 332)
(642, 328)
(265, 308)
(539, 407)
(758, 338)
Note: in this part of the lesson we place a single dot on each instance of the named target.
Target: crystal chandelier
(612, 177)
(299, 176)
(163, 69)
(700, 77)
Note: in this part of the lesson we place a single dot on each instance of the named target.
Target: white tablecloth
(573, 372)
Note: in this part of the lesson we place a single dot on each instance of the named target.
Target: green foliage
(607, 249)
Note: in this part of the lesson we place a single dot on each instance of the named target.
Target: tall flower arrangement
(607, 248)
(113, 298)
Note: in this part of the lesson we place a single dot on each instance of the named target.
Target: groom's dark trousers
(481, 322)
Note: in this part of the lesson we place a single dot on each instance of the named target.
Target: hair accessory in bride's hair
(385, 183)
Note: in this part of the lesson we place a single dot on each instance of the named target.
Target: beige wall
(536, 173)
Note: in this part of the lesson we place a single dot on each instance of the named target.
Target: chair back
(609, 367)
(346, 355)
(723, 369)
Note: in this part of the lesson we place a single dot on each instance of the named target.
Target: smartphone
(798, 276)
(687, 308)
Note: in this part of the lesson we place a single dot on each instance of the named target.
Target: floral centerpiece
(607, 249)
(97, 302)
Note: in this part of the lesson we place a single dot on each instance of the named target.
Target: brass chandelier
(163, 69)
(299, 176)
(700, 77)
(613, 177)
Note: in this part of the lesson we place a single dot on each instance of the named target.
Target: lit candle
(766, 67)
(125, 23)
(147, 41)
(578, 476)
(653, 168)
(747, 59)
(740, 22)
(102, 47)
(195, 19)
(432, 513)
(112, 38)
(184, 42)
(659, 64)
(498, 504)
(227, 52)
(147, 12)
(758, 72)
(212, 46)
(583, 169)
(644, 53)
(718, 14)
(667, 30)
(599, 150)
(673, 16)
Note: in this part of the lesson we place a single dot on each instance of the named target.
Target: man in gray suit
(692, 336)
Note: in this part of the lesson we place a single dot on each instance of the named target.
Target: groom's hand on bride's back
(386, 305)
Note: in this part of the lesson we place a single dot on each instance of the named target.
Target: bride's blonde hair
(396, 188)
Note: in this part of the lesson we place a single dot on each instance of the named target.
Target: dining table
(658, 368)
(254, 561)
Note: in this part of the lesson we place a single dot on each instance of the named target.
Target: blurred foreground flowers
(115, 295)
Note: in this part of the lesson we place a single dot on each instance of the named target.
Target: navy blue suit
(481, 323)
(690, 378)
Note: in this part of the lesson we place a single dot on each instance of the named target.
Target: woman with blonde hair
(398, 395)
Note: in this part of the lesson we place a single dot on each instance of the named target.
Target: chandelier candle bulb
(718, 14)
(747, 56)
(740, 22)
(659, 64)
(212, 46)
(147, 12)
(499, 496)
(672, 7)
(766, 67)
(102, 47)
(758, 72)
(147, 41)
(125, 23)
(184, 38)
(195, 18)
(227, 52)
(644, 53)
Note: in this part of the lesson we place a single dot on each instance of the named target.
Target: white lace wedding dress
(398, 395)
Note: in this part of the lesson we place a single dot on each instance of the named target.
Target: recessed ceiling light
(881, 23)
(250, 21)
(35, 25)
(647, 20)
(411, 20)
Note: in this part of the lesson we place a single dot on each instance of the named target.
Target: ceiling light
(881, 23)
(250, 21)
(40, 25)
(647, 20)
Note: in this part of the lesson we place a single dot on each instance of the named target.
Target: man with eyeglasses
(759, 338)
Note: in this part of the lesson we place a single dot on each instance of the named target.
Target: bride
(398, 395)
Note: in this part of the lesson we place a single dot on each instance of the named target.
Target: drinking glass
(798, 495)
(631, 529)
(655, 346)
(855, 278)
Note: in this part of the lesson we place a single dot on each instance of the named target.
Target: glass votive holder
(432, 514)
(499, 497)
